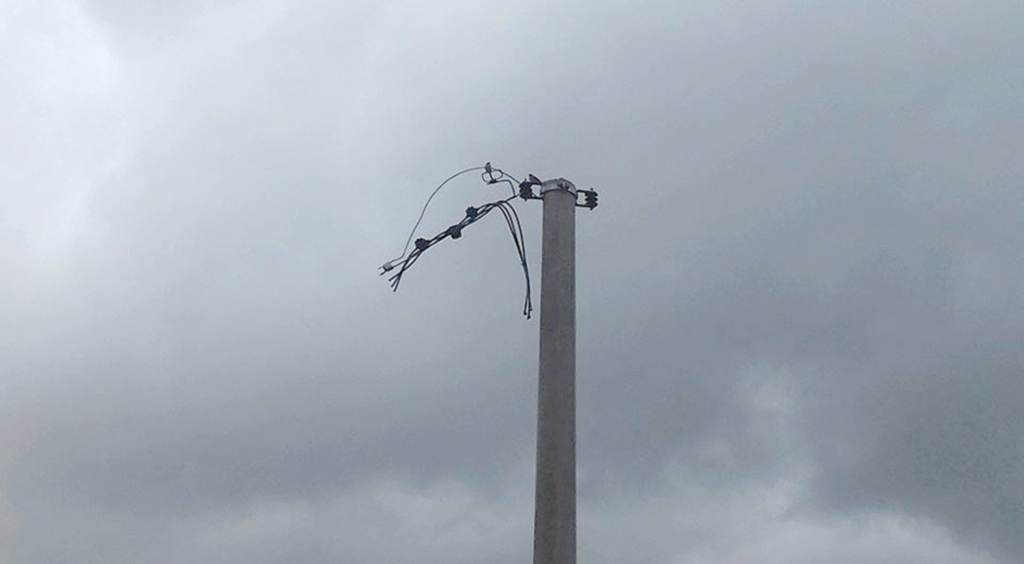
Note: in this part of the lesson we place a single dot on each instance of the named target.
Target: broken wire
(473, 214)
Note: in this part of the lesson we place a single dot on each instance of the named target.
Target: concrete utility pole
(554, 526)
(554, 534)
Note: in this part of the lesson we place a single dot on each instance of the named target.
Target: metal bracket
(557, 184)
(589, 199)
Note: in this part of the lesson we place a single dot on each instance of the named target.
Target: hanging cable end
(386, 267)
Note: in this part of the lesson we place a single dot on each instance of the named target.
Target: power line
(489, 175)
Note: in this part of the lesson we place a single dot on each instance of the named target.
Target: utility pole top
(557, 184)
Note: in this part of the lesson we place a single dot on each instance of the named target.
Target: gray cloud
(799, 302)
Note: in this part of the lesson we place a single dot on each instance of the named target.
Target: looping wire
(489, 175)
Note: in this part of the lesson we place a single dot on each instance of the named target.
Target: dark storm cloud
(798, 303)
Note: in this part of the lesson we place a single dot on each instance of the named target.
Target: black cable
(519, 239)
(472, 216)
(528, 301)
(424, 210)
(406, 263)
(489, 175)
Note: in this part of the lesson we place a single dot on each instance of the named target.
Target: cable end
(386, 267)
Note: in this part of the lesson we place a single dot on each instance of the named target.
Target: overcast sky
(800, 307)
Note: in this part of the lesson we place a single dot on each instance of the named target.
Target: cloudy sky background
(799, 304)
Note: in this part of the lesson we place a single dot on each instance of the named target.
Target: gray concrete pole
(554, 534)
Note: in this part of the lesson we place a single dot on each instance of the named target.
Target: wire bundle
(473, 214)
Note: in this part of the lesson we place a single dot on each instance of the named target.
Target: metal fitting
(557, 184)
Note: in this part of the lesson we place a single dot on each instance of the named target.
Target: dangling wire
(473, 215)
(405, 249)
(490, 175)
(519, 239)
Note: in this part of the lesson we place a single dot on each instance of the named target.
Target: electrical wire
(519, 239)
(405, 249)
(455, 231)
(490, 175)
(472, 216)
